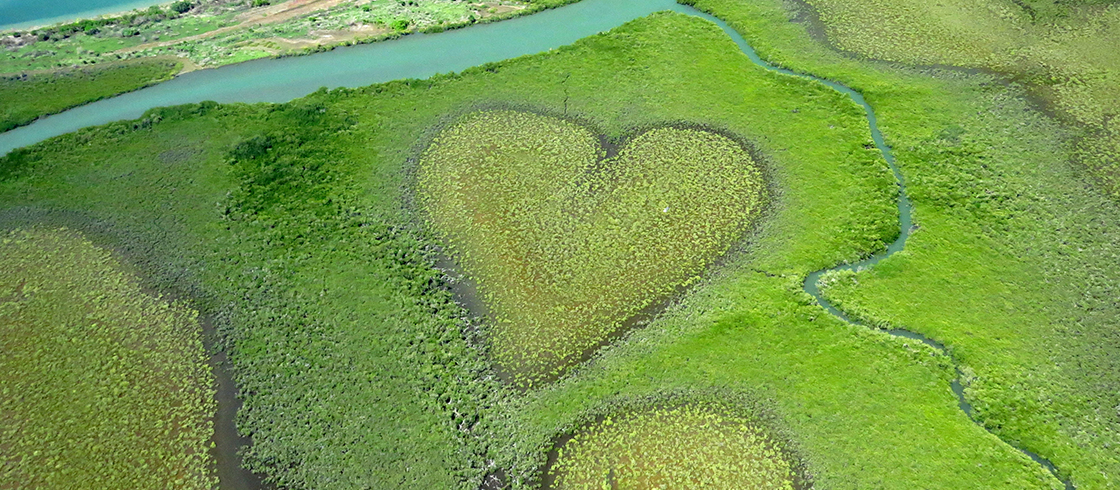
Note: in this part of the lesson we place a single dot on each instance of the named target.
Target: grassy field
(292, 224)
(1064, 52)
(103, 384)
(566, 243)
(27, 97)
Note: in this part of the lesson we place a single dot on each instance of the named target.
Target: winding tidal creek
(421, 56)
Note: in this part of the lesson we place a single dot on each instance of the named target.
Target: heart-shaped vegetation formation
(567, 243)
(683, 447)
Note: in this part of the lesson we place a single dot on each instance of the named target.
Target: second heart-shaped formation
(567, 243)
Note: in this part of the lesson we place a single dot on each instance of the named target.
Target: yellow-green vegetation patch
(103, 385)
(567, 243)
(690, 446)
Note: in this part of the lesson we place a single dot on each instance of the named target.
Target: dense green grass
(567, 243)
(28, 97)
(331, 273)
(1065, 52)
(291, 223)
(103, 384)
(690, 446)
(338, 348)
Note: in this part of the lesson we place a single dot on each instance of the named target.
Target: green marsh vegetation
(748, 328)
(688, 446)
(339, 350)
(1064, 52)
(1013, 264)
(26, 97)
(348, 351)
(104, 385)
(565, 242)
(358, 368)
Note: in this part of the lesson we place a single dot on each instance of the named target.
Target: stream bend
(906, 226)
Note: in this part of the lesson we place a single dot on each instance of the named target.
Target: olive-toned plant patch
(103, 385)
(691, 446)
(567, 242)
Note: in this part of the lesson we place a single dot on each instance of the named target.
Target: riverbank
(27, 97)
(29, 14)
(207, 35)
(220, 32)
(358, 367)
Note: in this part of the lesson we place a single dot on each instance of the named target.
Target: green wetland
(567, 243)
(658, 449)
(104, 385)
(836, 329)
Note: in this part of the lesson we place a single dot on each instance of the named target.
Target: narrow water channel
(421, 56)
(228, 442)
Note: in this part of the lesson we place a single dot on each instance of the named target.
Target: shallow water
(421, 56)
(22, 14)
(227, 440)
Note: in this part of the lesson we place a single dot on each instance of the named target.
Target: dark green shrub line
(425, 356)
(27, 97)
